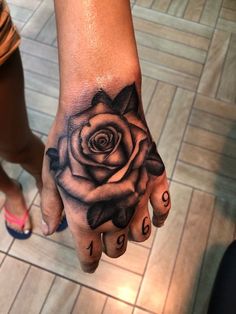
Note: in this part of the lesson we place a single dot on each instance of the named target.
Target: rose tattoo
(106, 158)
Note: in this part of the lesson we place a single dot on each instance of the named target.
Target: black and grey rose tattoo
(106, 158)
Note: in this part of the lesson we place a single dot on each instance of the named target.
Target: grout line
(104, 305)
(197, 282)
(19, 289)
(49, 290)
(44, 25)
(76, 299)
(223, 67)
(151, 98)
(179, 245)
(31, 16)
(209, 150)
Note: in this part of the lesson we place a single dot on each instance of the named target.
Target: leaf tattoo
(105, 159)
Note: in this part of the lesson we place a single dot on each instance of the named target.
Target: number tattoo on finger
(145, 227)
(120, 241)
(166, 198)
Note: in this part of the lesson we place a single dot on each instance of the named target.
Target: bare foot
(15, 205)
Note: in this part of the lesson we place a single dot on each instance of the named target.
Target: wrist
(77, 93)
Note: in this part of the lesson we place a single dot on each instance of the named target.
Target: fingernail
(45, 228)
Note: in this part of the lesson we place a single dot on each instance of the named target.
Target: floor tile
(33, 292)
(165, 249)
(115, 306)
(186, 271)
(89, 301)
(12, 273)
(63, 260)
(211, 12)
(61, 297)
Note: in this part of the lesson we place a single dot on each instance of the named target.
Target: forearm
(97, 47)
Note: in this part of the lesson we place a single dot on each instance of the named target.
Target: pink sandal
(21, 235)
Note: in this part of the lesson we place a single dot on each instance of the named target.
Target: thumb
(51, 204)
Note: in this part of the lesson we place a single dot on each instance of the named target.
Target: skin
(102, 54)
(17, 142)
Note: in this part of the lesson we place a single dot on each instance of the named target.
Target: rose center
(102, 141)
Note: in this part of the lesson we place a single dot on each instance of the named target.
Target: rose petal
(142, 181)
(138, 136)
(63, 151)
(126, 100)
(154, 163)
(80, 119)
(123, 216)
(87, 192)
(133, 119)
(100, 213)
(99, 174)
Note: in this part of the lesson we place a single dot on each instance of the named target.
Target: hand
(101, 166)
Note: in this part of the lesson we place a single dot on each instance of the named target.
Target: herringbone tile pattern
(187, 51)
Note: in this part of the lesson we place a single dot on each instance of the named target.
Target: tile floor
(187, 51)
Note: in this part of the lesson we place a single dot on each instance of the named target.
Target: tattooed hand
(106, 167)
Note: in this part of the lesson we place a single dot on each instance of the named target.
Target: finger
(140, 227)
(115, 243)
(51, 202)
(160, 200)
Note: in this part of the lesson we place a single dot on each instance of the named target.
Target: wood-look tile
(194, 10)
(168, 75)
(161, 5)
(226, 25)
(12, 273)
(61, 297)
(177, 7)
(148, 87)
(229, 4)
(5, 238)
(144, 3)
(115, 306)
(213, 123)
(13, 170)
(165, 249)
(63, 260)
(48, 33)
(40, 66)
(43, 103)
(89, 301)
(33, 292)
(168, 46)
(205, 180)
(131, 259)
(41, 84)
(172, 21)
(39, 121)
(2, 256)
(159, 107)
(227, 89)
(174, 129)
(205, 159)
(220, 236)
(32, 5)
(186, 271)
(39, 18)
(171, 33)
(216, 107)
(19, 13)
(38, 49)
(211, 12)
(170, 61)
(212, 70)
(228, 14)
(210, 141)
(139, 311)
